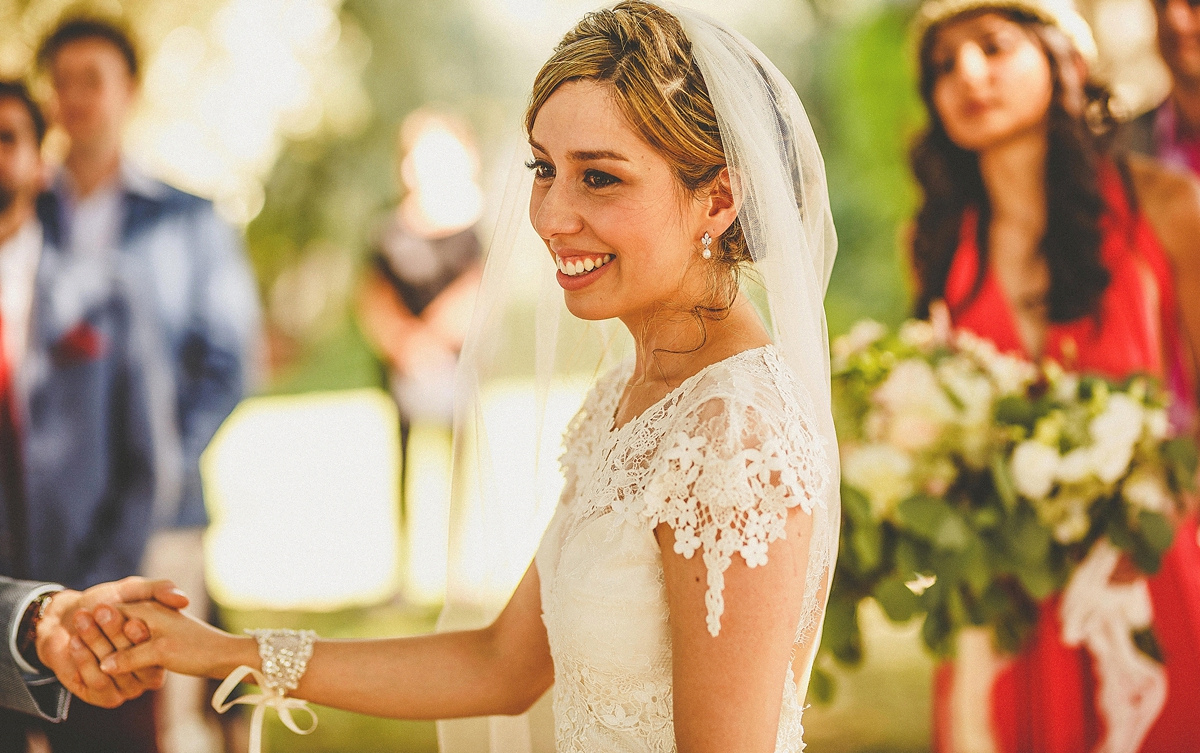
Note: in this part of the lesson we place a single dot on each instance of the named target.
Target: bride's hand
(177, 642)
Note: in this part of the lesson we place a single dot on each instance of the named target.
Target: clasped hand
(81, 629)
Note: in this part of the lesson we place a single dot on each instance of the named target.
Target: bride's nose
(555, 211)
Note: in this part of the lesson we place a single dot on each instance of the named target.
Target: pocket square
(81, 344)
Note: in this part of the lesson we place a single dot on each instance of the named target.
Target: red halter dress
(1043, 701)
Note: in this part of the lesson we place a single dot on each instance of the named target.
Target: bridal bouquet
(974, 483)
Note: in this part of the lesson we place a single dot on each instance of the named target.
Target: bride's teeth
(577, 268)
(561, 267)
(588, 265)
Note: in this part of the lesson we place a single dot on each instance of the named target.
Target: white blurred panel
(303, 494)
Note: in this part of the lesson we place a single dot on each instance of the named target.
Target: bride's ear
(721, 205)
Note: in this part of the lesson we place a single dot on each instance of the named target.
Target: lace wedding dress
(721, 459)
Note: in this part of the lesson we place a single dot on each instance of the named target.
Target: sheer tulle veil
(527, 362)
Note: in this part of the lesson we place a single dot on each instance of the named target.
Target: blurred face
(93, 92)
(613, 215)
(20, 158)
(993, 81)
(1179, 37)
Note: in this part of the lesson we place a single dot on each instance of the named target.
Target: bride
(676, 599)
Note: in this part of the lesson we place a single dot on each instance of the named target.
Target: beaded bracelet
(285, 655)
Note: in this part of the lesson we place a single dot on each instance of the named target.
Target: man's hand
(71, 644)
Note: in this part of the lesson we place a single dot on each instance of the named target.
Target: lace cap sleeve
(728, 472)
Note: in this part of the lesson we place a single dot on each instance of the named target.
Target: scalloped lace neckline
(627, 370)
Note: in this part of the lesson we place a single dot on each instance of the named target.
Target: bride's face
(616, 221)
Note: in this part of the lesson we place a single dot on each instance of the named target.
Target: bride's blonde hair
(641, 51)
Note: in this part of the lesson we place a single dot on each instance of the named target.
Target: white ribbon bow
(1102, 615)
(261, 702)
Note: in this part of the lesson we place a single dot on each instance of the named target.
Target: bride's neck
(673, 345)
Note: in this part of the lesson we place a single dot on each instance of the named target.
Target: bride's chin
(589, 310)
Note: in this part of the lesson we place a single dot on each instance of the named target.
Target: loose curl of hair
(641, 52)
(951, 182)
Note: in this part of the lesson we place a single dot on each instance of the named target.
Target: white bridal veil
(527, 362)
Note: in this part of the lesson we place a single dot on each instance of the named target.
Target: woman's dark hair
(951, 183)
(18, 91)
(85, 27)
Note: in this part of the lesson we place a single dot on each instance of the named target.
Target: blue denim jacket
(195, 302)
(88, 459)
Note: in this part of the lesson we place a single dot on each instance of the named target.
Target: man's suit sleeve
(36, 695)
(220, 359)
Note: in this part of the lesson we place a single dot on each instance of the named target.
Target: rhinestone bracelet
(285, 655)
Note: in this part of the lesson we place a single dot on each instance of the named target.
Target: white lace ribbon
(1103, 616)
(261, 702)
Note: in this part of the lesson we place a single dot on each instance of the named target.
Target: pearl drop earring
(707, 241)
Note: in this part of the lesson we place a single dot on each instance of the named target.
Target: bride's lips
(580, 281)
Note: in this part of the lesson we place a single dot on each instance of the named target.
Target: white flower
(917, 333)
(1157, 424)
(1066, 387)
(913, 432)
(1034, 467)
(1147, 490)
(917, 405)
(860, 337)
(881, 472)
(1011, 374)
(1076, 466)
(1114, 434)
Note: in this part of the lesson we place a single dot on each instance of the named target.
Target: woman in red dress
(1039, 241)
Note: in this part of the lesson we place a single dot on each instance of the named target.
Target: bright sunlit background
(285, 112)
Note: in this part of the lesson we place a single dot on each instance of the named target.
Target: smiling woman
(676, 597)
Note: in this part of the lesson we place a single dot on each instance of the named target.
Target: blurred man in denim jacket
(77, 481)
(190, 285)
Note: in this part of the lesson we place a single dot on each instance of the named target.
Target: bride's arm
(501, 669)
(728, 690)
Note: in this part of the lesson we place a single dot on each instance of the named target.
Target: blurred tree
(866, 109)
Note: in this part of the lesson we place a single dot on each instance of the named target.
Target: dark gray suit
(37, 696)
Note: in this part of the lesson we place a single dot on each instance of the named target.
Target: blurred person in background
(415, 305)
(1171, 131)
(189, 285)
(1039, 240)
(77, 467)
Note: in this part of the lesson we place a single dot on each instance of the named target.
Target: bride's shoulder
(754, 381)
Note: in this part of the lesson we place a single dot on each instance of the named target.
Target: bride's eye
(597, 179)
(542, 170)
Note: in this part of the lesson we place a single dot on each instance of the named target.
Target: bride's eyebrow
(585, 155)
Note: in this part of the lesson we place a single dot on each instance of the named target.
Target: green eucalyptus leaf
(897, 600)
(867, 543)
(1182, 455)
(977, 570)
(1016, 411)
(936, 633)
(1037, 578)
(841, 635)
(822, 687)
(856, 505)
(1156, 531)
(1029, 540)
(933, 520)
(1006, 486)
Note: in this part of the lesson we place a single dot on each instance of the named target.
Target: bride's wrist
(237, 651)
